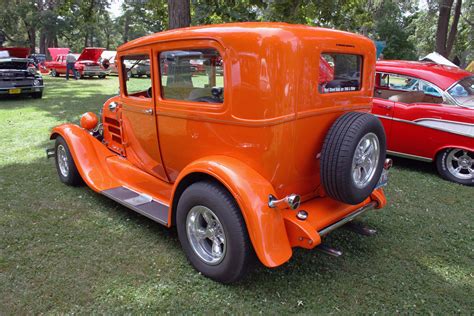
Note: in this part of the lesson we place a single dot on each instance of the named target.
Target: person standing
(70, 65)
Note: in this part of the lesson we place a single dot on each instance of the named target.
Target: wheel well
(53, 136)
(186, 182)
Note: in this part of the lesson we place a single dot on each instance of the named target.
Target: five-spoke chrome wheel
(206, 234)
(460, 163)
(365, 160)
(63, 163)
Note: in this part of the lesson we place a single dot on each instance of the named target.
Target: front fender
(265, 226)
(89, 156)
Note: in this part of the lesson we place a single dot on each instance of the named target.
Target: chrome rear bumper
(348, 218)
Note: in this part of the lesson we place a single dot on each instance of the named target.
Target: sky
(115, 8)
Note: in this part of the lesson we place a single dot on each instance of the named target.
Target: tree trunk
(42, 43)
(443, 23)
(454, 28)
(179, 14)
(126, 27)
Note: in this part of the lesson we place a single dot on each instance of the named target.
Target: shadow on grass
(66, 100)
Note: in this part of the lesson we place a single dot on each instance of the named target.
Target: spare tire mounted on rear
(352, 157)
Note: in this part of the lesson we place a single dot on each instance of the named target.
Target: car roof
(441, 75)
(230, 33)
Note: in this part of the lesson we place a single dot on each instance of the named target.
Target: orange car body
(263, 139)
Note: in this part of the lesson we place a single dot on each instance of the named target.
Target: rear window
(339, 72)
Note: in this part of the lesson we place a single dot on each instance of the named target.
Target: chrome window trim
(452, 98)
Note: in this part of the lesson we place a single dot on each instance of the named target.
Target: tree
(445, 40)
(179, 14)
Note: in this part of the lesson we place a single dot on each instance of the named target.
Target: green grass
(70, 250)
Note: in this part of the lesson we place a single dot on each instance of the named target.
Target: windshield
(463, 92)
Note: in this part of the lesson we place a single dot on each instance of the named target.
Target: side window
(339, 72)
(403, 83)
(430, 90)
(138, 76)
(194, 75)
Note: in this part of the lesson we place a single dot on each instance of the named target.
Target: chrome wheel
(365, 160)
(63, 163)
(206, 235)
(460, 163)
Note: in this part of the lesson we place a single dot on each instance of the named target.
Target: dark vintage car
(18, 74)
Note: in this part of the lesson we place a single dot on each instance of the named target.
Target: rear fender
(89, 156)
(265, 226)
(469, 147)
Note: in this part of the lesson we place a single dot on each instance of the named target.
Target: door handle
(148, 111)
(378, 92)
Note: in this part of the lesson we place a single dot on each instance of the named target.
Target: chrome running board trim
(140, 203)
(348, 218)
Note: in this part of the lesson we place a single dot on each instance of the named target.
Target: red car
(428, 114)
(87, 63)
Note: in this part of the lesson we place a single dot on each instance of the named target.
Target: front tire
(54, 73)
(37, 95)
(212, 232)
(65, 165)
(456, 165)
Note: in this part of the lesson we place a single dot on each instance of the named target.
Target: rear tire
(455, 164)
(101, 76)
(65, 165)
(37, 95)
(213, 233)
(352, 157)
(54, 73)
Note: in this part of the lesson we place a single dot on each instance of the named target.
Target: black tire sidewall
(441, 165)
(338, 153)
(217, 199)
(73, 177)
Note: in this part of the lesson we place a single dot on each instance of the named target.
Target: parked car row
(87, 63)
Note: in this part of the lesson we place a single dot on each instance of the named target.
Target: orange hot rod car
(273, 151)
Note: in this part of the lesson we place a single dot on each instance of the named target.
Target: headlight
(36, 82)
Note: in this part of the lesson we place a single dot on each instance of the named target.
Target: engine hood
(55, 51)
(20, 52)
(91, 54)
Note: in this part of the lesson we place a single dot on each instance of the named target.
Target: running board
(140, 203)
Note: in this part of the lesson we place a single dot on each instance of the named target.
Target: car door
(139, 117)
(61, 64)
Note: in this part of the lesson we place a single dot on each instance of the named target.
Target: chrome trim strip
(416, 122)
(383, 116)
(348, 218)
(399, 154)
(441, 120)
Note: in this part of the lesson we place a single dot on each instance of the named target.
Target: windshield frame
(456, 102)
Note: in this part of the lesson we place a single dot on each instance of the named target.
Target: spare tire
(352, 157)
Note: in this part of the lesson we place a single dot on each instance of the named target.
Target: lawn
(70, 250)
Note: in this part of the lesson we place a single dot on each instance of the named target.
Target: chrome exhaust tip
(388, 163)
(291, 201)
